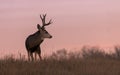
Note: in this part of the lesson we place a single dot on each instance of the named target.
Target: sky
(75, 23)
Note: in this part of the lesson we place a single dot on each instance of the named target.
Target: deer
(34, 40)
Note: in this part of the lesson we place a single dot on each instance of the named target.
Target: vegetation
(90, 61)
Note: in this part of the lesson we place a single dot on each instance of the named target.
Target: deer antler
(43, 17)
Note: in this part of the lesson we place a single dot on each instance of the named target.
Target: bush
(92, 52)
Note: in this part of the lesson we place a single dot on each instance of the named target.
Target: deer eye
(46, 32)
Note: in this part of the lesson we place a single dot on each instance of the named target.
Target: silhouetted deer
(33, 41)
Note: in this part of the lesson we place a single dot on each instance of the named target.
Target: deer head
(42, 29)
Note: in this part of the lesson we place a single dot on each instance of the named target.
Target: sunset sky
(75, 23)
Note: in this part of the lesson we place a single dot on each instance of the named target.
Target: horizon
(75, 23)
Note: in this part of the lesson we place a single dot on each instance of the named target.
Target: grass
(91, 61)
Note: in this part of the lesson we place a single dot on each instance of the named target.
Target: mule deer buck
(34, 41)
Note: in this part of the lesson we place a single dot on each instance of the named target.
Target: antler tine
(49, 22)
(43, 17)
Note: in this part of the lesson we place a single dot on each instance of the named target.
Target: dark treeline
(87, 52)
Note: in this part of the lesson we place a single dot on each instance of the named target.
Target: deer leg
(28, 56)
(40, 57)
(35, 56)
(31, 54)
(39, 53)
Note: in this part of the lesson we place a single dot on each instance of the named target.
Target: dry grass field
(92, 61)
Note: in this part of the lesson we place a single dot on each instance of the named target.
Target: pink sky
(75, 23)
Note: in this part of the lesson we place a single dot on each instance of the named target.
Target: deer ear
(38, 26)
